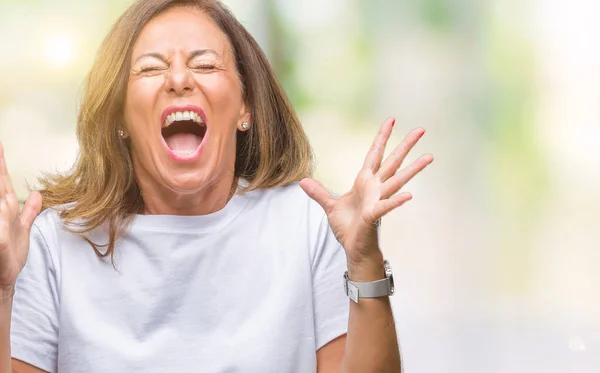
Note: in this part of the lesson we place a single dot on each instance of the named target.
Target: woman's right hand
(15, 226)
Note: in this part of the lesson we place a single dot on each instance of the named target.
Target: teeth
(183, 115)
(184, 152)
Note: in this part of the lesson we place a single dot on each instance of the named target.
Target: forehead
(181, 29)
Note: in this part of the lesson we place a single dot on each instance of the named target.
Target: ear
(244, 117)
(122, 127)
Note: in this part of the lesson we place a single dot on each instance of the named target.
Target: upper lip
(173, 109)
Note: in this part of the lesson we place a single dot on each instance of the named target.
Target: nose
(179, 79)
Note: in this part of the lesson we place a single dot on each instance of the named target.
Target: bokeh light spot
(60, 50)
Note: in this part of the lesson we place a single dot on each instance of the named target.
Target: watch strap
(374, 289)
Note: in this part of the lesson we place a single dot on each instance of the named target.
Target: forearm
(6, 301)
(371, 343)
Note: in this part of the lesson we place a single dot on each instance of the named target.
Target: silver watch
(380, 288)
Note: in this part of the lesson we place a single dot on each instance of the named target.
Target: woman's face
(184, 104)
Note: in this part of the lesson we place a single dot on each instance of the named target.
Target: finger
(31, 209)
(12, 205)
(4, 210)
(375, 154)
(318, 192)
(393, 184)
(5, 220)
(394, 161)
(5, 183)
(6, 216)
(383, 207)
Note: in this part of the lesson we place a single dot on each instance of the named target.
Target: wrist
(368, 268)
(7, 294)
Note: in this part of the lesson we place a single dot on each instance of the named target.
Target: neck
(210, 198)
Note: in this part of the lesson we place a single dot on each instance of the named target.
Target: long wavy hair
(101, 187)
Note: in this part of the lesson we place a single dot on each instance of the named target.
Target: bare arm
(5, 313)
(371, 343)
(15, 225)
(20, 367)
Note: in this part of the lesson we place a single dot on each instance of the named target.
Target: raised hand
(354, 216)
(15, 226)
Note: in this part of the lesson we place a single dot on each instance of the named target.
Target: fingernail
(393, 122)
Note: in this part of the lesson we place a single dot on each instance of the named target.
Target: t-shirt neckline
(197, 223)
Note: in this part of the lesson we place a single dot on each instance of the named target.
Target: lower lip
(190, 157)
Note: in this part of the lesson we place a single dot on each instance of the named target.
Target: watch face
(389, 275)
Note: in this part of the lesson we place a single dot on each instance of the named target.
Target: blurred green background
(496, 257)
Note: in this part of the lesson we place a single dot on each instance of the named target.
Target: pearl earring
(121, 133)
(245, 126)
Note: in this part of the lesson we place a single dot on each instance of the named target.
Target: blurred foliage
(347, 67)
(486, 239)
(283, 56)
(17, 2)
(516, 174)
(437, 14)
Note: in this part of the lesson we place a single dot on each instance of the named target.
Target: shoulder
(291, 199)
(289, 212)
(48, 227)
(49, 219)
(291, 192)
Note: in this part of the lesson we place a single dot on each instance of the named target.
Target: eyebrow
(201, 52)
(193, 54)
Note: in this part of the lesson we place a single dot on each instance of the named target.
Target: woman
(193, 179)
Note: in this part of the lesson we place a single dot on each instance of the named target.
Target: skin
(205, 185)
(165, 72)
(371, 344)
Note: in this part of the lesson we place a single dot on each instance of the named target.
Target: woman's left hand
(354, 216)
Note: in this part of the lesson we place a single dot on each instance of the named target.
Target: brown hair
(101, 187)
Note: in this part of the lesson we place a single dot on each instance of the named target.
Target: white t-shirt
(256, 288)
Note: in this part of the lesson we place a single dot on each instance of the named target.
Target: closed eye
(204, 67)
(145, 69)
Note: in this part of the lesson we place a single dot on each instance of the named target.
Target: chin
(188, 182)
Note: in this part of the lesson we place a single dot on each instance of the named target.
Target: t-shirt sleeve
(34, 324)
(331, 305)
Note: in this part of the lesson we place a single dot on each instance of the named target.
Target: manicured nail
(393, 123)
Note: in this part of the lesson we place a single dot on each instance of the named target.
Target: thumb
(318, 192)
(31, 209)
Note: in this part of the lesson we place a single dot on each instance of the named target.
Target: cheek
(139, 102)
(224, 94)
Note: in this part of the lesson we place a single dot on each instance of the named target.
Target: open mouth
(183, 132)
